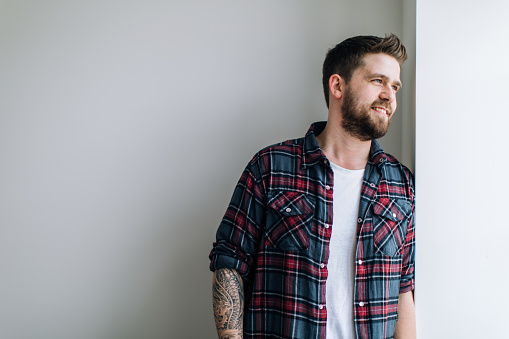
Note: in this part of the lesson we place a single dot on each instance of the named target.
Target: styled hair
(348, 55)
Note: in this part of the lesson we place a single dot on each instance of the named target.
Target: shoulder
(398, 169)
(287, 149)
(284, 158)
(400, 176)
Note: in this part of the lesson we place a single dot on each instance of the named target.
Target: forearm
(228, 303)
(405, 327)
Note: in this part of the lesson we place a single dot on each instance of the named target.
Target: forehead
(379, 63)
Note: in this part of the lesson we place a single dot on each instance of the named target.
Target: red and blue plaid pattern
(276, 233)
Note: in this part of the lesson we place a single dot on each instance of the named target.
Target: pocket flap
(289, 220)
(389, 224)
(393, 209)
(292, 203)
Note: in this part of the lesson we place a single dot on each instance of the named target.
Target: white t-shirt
(343, 243)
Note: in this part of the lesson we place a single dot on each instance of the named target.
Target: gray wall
(124, 126)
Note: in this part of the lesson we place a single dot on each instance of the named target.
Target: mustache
(381, 103)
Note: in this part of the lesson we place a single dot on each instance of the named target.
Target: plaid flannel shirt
(276, 234)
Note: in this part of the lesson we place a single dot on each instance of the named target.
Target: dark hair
(348, 55)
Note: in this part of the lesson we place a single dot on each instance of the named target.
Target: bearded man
(318, 240)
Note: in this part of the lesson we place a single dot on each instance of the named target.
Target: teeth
(381, 110)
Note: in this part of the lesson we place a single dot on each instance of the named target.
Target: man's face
(370, 97)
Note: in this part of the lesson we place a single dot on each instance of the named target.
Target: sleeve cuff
(223, 256)
(407, 286)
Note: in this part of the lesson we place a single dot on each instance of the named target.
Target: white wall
(461, 169)
(124, 126)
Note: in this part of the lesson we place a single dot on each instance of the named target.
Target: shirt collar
(313, 154)
(376, 154)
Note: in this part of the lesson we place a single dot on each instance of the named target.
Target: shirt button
(359, 220)
(372, 185)
(327, 225)
(394, 215)
(288, 209)
(327, 187)
(321, 307)
(361, 304)
(322, 265)
(382, 159)
(325, 161)
(359, 262)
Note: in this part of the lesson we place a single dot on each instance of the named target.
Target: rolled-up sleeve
(407, 282)
(240, 231)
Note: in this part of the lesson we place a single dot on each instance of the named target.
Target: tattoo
(228, 303)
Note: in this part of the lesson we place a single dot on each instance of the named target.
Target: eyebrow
(379, 75)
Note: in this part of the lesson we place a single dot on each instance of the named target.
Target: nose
(388, 94)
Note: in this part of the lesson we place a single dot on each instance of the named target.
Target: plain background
(461, 169)
(124, 126)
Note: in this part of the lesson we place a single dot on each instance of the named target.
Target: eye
(395, 88)
(378, 81)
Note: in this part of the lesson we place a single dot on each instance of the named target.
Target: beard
(360, 121)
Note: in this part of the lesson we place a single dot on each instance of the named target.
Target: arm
(228, 303)
(405, 327)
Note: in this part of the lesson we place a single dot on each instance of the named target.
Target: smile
(381, 111)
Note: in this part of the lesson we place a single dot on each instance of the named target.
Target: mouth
(381, 111)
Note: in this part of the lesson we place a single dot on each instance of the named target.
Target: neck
(342, 148)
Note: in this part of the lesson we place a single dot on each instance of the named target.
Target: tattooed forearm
(228, 303)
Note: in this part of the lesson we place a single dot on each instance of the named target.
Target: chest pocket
(390, 220)
(289, 219)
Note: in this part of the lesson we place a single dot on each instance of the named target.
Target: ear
(336, 86)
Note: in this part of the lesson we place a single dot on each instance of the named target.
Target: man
(318, 240)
